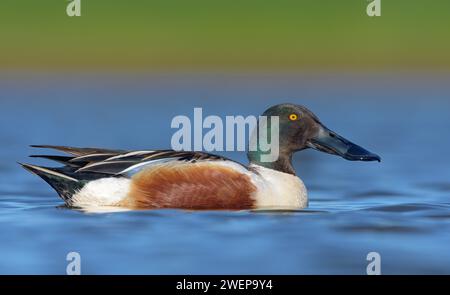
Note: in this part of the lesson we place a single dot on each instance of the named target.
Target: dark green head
(300, 129)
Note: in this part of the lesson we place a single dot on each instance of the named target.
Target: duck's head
(300, 129)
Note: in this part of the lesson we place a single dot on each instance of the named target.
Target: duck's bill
(329, 142)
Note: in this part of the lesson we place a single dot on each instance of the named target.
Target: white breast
(278, 190)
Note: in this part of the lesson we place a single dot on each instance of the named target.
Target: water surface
(399, 208)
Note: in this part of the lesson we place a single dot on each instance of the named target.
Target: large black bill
(329, 142)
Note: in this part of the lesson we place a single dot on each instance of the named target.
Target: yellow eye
(293, 117)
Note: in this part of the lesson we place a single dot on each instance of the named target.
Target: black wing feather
(92, 161)
(78, 151)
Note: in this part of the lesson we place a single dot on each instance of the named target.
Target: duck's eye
(293, 117)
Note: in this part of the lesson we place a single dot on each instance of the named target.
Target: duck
(195, 180)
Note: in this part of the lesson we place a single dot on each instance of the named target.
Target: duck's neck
(282, 164)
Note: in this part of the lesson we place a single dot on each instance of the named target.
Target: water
(399, 208)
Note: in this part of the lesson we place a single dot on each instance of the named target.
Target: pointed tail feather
(76, 151)
(60, 159)
(63, 184)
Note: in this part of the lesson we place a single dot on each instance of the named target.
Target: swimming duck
(95, 178)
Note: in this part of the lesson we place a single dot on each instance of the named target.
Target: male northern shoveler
(94, 178)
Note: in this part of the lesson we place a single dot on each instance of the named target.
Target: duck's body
(95, 178)
(98, 178)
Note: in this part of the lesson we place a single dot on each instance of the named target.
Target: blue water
(399, 208)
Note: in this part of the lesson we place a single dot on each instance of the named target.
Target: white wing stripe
(146, 163)
(90, 155)
(53, 172)
(135, 153)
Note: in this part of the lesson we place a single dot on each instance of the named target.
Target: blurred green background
(218, 34)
